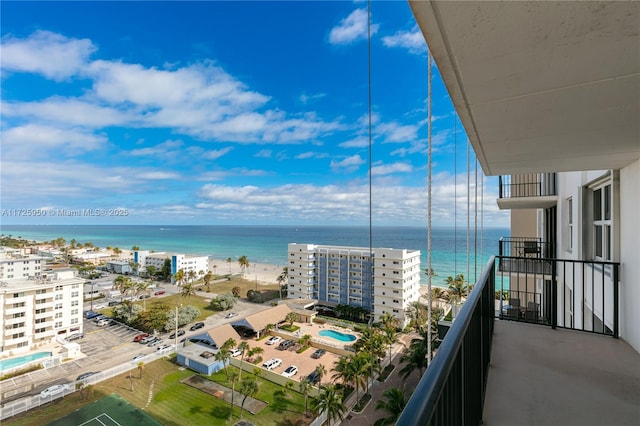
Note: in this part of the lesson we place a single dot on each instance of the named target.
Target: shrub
(319, 321)
(223, 303)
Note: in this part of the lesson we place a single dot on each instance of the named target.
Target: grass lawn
(269, 291)
(174, 403)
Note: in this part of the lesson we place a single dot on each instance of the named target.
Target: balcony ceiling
(541, 86)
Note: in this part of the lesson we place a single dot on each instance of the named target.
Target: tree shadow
(223, 412)
(280, 402)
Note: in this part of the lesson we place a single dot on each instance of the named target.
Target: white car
(290, 371)
(103, 321)
(138, 357)
(164, 348)
(272, 363)
(273, 340)
(235, 352)
(53, 391)
(98, 307)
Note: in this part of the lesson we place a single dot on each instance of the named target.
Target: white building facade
(387, 281)
(14, 265)
(179, 261)
(35, 310)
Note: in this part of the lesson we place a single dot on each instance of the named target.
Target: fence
(27, 403)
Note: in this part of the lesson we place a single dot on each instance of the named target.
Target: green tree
(236, 291)
(223, 355)
(166, 269)
(257, 350)
(458, 288)
(248, 387)
(244, 348)
(394, 404)
(151, 271)
(329, 400)
(229, 262)
(206, 279)
(320, 371)
(305, 387)
(143, 288)
(415, 358)
(389, 326)
(179, 277)
(232, 376)
(188, 290)
(243, 261)
(291, 318)
(135, 248)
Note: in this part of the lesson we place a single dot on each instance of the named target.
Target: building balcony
(11, 320)
(527, 191)
(566, 367)
(11, 300)
(524, 255)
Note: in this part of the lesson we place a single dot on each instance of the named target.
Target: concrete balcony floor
(540, 376)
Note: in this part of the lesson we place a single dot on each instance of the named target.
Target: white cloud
(164, 149)
(357, 142)
(311, 154)
(386, 169)
(157, 175)
(214, 154)
(33, 140)
(52, 55)
(304, 98)
(348, 164)
(263, 153)
(352, 28)
(412, 40)
(395, 132)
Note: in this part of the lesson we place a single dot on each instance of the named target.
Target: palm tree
(281, 279)
(305, 387)
(389, 328)
(291, 318)
(320, 371)
(179, 277)
(191, 276)
(229, 262)
(233, 377)
(415, 358)
(243, 261)
(151, 271)
(215, 267)
(142, 287)
(188, 290)
(248, 387)
(457, 288)
(243, 347)
(255, 351)
(304, 340)
(207, 279)
(345, 370)
(395, 403)
(119, 285)
(140, 369)
(223, 355)
(329, 400)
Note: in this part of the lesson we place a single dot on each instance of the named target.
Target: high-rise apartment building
(383, 280)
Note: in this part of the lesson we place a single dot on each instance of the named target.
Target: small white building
(14, 265)
(385, 280)
(35, 310)
(179, 261)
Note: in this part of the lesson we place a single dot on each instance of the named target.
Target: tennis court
(112, 410)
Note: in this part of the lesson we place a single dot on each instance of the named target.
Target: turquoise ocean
(268, 244)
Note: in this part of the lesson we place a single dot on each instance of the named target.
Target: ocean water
(268, 244)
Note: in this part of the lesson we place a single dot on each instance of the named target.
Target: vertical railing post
(554, 296)
(500, 185)
(616, 325)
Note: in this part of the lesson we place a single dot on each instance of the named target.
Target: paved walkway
(369, 415)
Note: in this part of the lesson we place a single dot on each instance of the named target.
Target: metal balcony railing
(577, 295)
(523, 254)
(527, 185)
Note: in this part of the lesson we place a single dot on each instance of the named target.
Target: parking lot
(303, 361)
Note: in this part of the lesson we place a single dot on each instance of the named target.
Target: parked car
(286, 344)
(91, 314)
(163, 348)
(290, 371)
(173, 335)
(75, 336)
(318, 353)
(159, 293)
(273, 340)
(103, 321)
(139, 337)
(154, 342)
(313, 377)
(86, 375)
(144, 296)
(231, 315)
(196, 326)
(272, 363)
(235, 352)
(147, 340)
(113, 303)
(53, 391)
(138, 357)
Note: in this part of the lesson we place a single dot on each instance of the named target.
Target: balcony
(522, 255)
(507, 372)
(527, 191)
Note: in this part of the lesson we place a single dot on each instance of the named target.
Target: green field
(172, 402)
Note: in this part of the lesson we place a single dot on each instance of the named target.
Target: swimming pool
(11, 363)
(343, 337)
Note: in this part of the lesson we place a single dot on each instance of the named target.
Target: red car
(159, 293)
(140, 337)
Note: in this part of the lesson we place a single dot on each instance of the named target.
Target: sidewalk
(369, 415)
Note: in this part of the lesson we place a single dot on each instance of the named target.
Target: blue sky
(224, 113)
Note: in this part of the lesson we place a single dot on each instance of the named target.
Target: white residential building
(345, 275)
(179, 261)
(35, 310)
(14, 265)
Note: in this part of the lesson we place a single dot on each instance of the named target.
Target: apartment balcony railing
(522, 255)
(577, 295)
(528, 185)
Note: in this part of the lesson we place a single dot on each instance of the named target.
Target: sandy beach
(264, 273)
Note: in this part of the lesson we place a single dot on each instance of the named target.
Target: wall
(630, 254)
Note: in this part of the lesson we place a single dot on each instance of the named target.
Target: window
(570, 224)
(602, 222)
